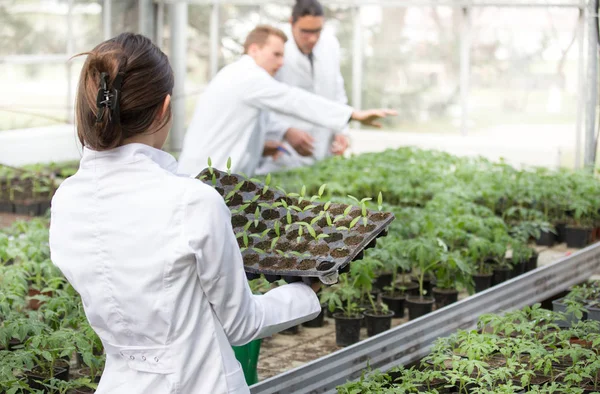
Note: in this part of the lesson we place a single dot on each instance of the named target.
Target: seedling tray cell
(289, 236)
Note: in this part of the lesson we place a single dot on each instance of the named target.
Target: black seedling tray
(291, 258)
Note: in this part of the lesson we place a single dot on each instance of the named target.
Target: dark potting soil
(257, 229)
(307, 264)
(251, 208)
(268, 195)
(353, 240)
(317, 210)
(220, 190)
(366, 229)
(264, 245)
(268, 262)
(229, 180)
(320, 250)
(235, 200)
(251, 259)
(379, 216)
(238, 221)
(339, 253)
(287, 263)
(336, 209)
(284, 246)
(270, 214)
(343, 223)
(299, 247)
(355, 213)
(248, 187)
(334, 237)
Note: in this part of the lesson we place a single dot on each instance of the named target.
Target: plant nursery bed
(283, 352)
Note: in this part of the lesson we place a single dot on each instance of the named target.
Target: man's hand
(301, 141)
(368, 117)
(273, 148)
(340, 143)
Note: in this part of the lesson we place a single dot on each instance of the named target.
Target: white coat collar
(128, 153)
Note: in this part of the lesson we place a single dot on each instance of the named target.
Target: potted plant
(344, 297)
(395, 294)
(426, 254)
(580, 228)
(521, 255)
(453, 271)
(478, 252)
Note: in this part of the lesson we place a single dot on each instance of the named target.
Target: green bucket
(247, 355)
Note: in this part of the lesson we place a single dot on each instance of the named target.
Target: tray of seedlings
(291, 236)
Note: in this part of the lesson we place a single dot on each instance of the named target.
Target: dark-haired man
(312, 63)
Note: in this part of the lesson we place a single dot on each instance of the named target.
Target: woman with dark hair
(152, 254)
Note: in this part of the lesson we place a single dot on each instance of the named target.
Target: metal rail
(411, 341)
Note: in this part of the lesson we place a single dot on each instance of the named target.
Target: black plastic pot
(347, 329)
(7, 207)
(410, 288)
(578, 237)
(378, 323)
(482, 282)
(291, 331)
(532, 263)
(444, 297)
(418, 307)
(317, 321)
(29, 209)
(428, 285)
(383, 280)
(546, 239)
(395, 304)
(60, 373)
(518, 269)
(501, 274)
(561, 235)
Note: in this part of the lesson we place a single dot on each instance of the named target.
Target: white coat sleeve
(276, 128)
(264, 92)
(243, 316)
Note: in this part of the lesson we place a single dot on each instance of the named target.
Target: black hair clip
(109, 98)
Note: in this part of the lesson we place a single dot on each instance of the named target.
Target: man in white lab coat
(232, 115)
(312, 63)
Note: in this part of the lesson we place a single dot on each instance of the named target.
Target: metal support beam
(580, 86)
(160, 25)
(592, 84)
(146, 25)
(68, 66)
(106, 19)
(215, 38)
(465, 68)
(357, 59)
(411, 341)
(179, 18)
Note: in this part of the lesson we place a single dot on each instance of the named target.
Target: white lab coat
(160, 275)
(231, 120)
(324, 79)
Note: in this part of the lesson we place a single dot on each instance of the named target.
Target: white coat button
(143, 358)
(132, 357)
(156, 359)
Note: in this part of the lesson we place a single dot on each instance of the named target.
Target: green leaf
(288, 217)
(303, 191)
(327, 205)
(257, 250)
(329, 221)
(273, 242)
(209, 162)
(354, 221)
(268, 180)
(229, 163)
(380, 201)
(321, 236)
(322, 189)
(347, 210)
(245, 240)
(364, 210)
(262, 235)
(342, 228)
(365, 221)
(311, 231)
(276, 228)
